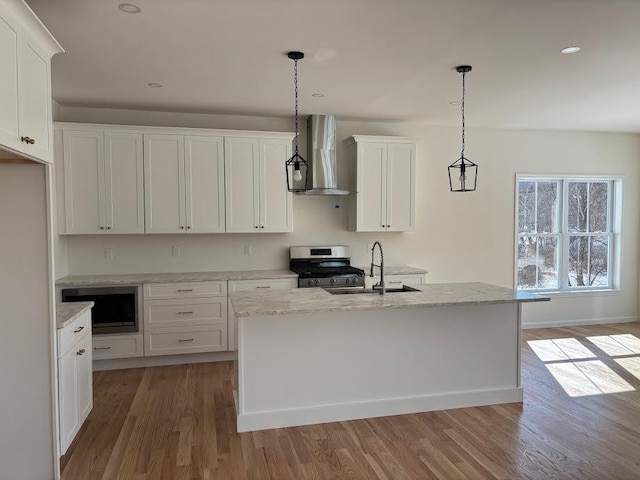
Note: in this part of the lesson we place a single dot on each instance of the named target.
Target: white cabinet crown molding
(32, 25)
(380, 139)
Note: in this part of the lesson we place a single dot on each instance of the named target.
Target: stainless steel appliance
(325, 266)
(117, 309)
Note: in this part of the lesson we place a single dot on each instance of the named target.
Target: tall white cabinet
(257, 200)
(25, 87)
(384, 182)
(28, 363)
(184, 183)
(102, 181)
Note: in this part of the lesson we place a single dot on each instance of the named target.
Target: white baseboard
(579, 322)
(375, 408)
(138, 362)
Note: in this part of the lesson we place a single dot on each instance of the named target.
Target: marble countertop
(309, 300)
(140, 278)
(67, 312)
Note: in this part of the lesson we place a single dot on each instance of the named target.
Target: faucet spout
(380, 285)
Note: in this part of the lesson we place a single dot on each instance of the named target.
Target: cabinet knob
(181, 227)
(108, 228)
(388, 226)
(27, 140)
(261, 226)
(81, 351)
(188, 227)
(256, 226)
(101, 227)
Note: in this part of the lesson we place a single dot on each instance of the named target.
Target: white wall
(458, 237)
(26, 422)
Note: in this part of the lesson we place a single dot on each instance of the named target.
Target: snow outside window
(565, 233)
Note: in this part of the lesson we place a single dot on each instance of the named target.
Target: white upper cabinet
(26, 48)
(184, 183)
(256, 184)
(385, 184)
(102, 182)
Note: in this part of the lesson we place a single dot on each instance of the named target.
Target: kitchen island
(308, 356)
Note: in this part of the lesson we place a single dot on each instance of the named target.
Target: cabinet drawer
(184, 290)
(262, 285)
(399, 280)
(124, 346)
(72, 333)
(168, 341)
(175, 313)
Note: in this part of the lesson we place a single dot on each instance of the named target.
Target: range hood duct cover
(321, 155)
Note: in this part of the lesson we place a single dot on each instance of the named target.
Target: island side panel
(309, 368)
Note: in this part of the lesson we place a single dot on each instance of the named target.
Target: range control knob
(309, 282)
(316, 282)
(333, 280)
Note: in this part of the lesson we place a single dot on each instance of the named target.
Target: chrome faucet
(379, 285)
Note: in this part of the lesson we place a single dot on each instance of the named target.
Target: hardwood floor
(178, 422)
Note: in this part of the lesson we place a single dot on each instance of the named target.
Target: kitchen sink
(355, 290)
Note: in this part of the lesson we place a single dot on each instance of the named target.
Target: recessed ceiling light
(155, 85)
(317, 95)
(573, 49)
(129, 8)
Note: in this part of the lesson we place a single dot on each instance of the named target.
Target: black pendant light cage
(296, 167)
(463, 173)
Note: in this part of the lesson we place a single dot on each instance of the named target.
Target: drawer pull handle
(185, 340)
(81, 351)
(185, 313)
(266, 286)
(185, 289)
(102, 348)
(395, 282)
(78, 330)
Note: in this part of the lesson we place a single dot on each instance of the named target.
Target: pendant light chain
(295, 82)
(462, 110)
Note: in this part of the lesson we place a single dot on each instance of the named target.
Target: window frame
(614, 224)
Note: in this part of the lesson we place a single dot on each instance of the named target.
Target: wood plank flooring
(177, 422)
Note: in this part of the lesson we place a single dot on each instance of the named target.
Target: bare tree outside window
(564, 233)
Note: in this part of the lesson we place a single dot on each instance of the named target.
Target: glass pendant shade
(463, 175)
(297, 177)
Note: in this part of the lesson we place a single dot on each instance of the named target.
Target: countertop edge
(67, 312)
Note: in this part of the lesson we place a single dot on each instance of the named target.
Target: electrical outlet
(248, 249)
(176, 251)
(108, 253)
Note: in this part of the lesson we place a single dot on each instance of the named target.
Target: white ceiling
(372, 59)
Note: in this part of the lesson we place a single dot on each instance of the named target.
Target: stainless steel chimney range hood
(321, 155)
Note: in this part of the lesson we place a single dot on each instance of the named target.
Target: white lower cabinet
(75, 377)
(185, 318)
(117, 346)
(257, 286)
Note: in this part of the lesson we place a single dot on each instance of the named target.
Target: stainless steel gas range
(325, 266)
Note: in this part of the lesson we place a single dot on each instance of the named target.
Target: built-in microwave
(116, 309)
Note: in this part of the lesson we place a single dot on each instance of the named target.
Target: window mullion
(563, 273)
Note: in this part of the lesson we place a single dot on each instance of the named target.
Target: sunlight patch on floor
(631, 365)
(579, 379)
(616, 345)
(560, 349)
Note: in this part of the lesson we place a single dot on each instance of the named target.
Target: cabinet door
(124, 187)
(83, 182)
(68, 398)
(204, 177)
(83, 354)
(9, 43)
(371, 185)
(164, 195)
(401, 162)
(276, 212)
(241, 164)
(35, 101)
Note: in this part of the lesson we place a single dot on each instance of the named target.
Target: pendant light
(296, 167)
(463, 173)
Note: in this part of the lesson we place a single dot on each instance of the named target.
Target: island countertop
(310, 300)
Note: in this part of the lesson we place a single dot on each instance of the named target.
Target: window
(565, 233)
